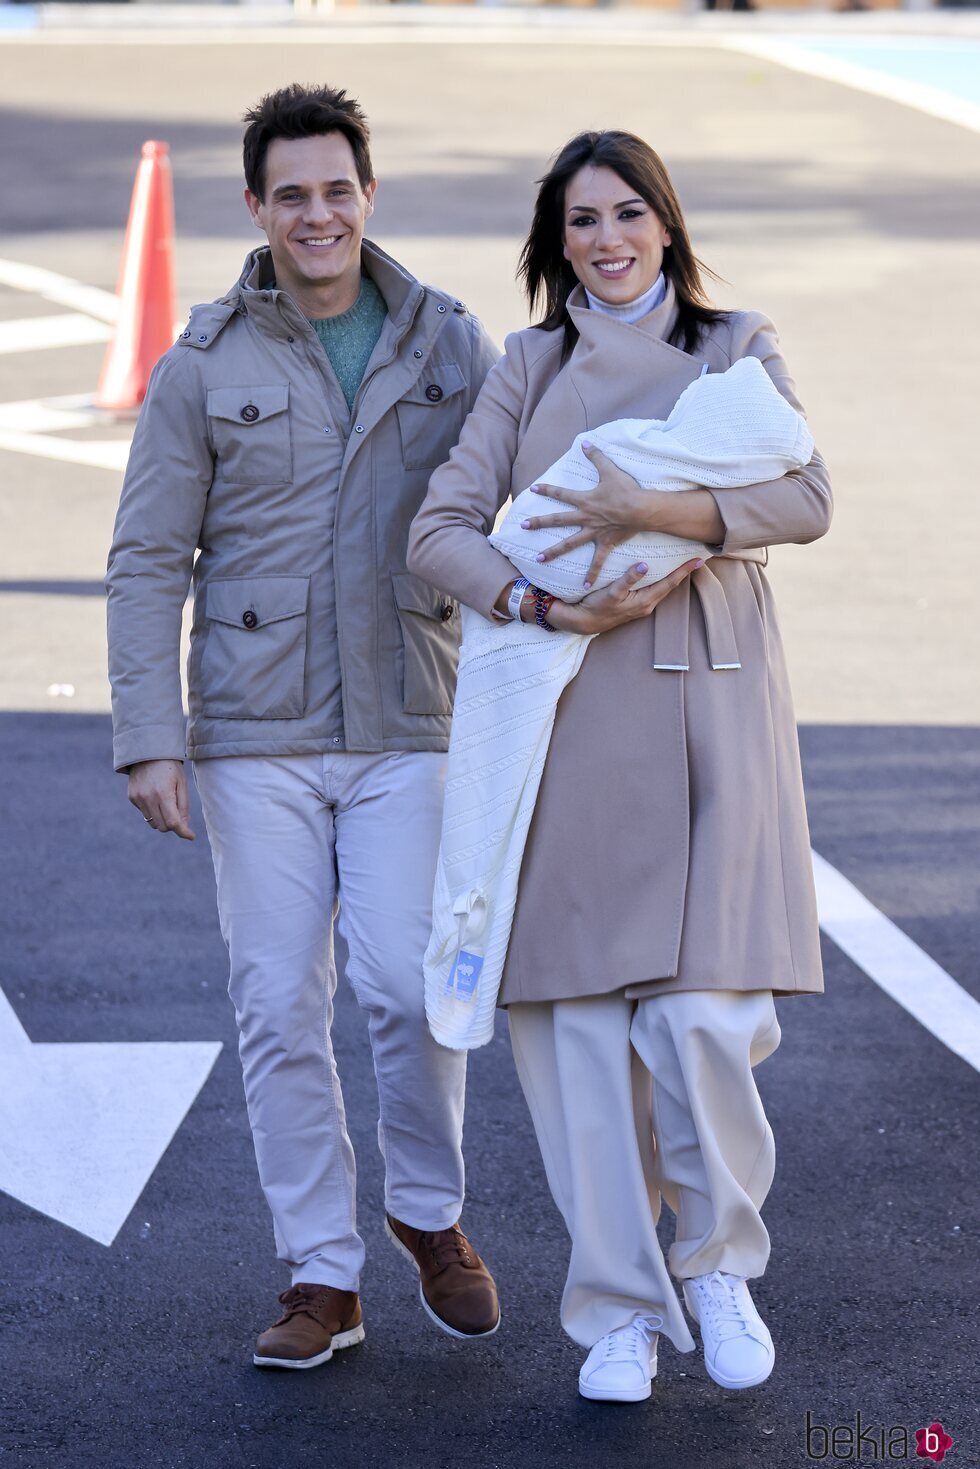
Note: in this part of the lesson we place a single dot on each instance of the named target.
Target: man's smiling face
(313, 213)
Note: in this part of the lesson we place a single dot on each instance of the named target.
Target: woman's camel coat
(669, 847)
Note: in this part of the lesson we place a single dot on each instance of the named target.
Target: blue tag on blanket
(465, 973)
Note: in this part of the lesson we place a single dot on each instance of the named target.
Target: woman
(666, 892)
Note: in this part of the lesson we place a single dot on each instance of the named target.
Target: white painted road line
(62, 290)
(83, 1127)
(47, 415)
(35, 333)
(100, 454)
(896, 964)
(926, 99)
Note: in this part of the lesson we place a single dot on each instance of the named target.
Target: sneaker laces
(717, 1294)
(629, 1342)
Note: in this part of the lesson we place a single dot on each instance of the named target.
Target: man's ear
(254, 204)
(369, 191)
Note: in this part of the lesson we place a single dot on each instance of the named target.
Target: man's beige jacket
(250, 478)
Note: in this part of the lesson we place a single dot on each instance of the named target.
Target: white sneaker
(621, 1366)
(738, 1350)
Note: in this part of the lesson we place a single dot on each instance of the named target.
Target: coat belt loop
(718, 626)
(670, 624)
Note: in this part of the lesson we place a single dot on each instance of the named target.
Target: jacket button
(358, 428)
(447, 611)
(433, 392)
(250, 619)
(417, 353)
(203, 338)
(250, 413)
(440, 308)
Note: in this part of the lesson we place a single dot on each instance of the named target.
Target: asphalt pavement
(852, 219)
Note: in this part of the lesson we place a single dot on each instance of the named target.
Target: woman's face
(613, 240)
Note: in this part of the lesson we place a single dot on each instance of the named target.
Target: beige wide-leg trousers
(634, 1099)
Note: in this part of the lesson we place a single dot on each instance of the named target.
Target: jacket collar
(255, 293)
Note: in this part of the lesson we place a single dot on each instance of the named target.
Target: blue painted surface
(952, 67)
(18, 17)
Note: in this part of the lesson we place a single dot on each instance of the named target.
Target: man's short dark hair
(304, 112)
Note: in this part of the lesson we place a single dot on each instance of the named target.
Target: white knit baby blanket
(726, 429)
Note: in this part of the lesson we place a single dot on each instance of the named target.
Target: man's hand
(158, 790)
(621, 601)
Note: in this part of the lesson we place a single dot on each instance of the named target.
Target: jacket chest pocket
(430, 416)
(429, 625)
(249, 429)
(253, 660)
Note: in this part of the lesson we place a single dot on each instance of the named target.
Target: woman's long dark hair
(545, 273)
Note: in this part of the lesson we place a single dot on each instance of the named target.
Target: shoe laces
(301, 1300)
(447, 1247)
(630, 1342)
(718, 1296)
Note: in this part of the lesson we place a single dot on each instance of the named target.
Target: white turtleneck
(631, 311)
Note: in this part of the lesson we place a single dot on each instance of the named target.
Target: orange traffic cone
(146, 289)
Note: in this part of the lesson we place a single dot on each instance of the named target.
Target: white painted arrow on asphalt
(83, 1126)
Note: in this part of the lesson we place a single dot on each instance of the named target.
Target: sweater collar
(630, 311)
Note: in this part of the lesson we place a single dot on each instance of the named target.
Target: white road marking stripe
(32, 334)
(47, 415)
(896, 964)
(101, 454)
(60, 289)
(926, 99)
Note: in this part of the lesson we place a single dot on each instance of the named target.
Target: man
(288, 438)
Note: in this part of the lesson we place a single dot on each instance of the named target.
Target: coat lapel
(584, 393)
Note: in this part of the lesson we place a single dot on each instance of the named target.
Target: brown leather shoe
(455, 1286)
(318, 1321)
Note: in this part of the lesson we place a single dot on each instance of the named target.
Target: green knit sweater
(349, 339)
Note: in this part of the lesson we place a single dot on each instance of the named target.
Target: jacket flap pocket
(412, 594)
(254, 601)
(436, 383)
(248, 405)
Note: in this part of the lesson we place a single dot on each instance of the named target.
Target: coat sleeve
(798, 506)
(158, 528)
(447, 542)
(484, 355)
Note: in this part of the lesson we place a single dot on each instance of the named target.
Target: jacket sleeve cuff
(488, 582)
(149, 742)
(486, 571)
(797, 508)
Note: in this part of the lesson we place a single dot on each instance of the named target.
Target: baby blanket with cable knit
(727, 429)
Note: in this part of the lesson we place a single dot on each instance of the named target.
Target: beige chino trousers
(296, 839)
(636, 1099)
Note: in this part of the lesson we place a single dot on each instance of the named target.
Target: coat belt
(672, 621)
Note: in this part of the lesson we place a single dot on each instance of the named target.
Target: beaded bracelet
(543, 603)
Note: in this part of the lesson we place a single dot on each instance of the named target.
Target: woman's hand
(619, 602)
(619, 508)
(608, 515)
